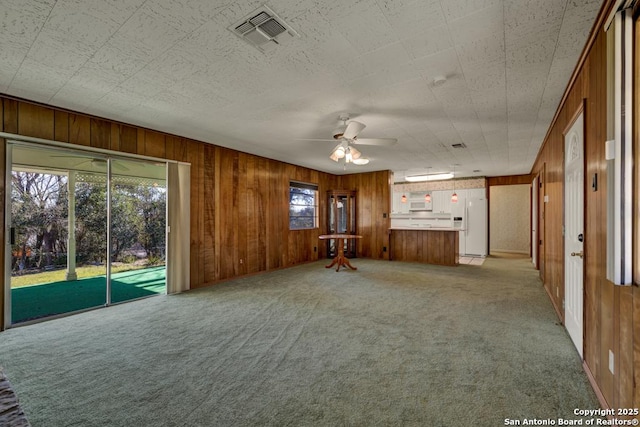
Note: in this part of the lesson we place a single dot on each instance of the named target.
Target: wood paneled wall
(239, 202)
(608, 309)
(373, 213)
(509, 180)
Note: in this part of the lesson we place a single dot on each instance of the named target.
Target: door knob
(580, 254)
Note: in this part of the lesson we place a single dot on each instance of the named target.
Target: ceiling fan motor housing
(339, 131)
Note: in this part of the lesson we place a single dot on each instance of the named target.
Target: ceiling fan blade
(102, 164)
(375, 141)
(353, 129)
(314, 139)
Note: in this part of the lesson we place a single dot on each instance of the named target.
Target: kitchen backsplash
(440, 185)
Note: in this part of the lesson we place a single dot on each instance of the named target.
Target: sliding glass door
(55, 193)
(66, 207)
(138, 229)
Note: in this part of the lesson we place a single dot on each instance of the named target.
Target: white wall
(509, 222)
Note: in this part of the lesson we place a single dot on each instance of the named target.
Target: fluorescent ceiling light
(430, 177)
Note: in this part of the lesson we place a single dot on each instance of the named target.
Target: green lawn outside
(47, 299)
(59, 275)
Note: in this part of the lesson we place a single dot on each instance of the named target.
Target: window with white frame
(303, 206)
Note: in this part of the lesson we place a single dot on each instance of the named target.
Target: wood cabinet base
(429, 246)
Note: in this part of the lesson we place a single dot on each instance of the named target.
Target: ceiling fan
(347, 134)
(95, 163)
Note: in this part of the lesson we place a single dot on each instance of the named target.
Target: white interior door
(574, 231)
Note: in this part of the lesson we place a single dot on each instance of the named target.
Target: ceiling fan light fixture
(337, 153)
(429, 177)
(355, 153)
(361, 161)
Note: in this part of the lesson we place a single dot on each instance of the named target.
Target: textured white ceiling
(173, 65)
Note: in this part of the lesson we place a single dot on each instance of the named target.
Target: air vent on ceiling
(460, 145)
(263, 29)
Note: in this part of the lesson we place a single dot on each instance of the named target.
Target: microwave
(419, 205)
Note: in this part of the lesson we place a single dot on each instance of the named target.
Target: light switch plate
(610, 149)
(611, 362)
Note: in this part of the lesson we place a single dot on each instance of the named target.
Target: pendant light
(427, 197)
(403, 199)
(454, 196)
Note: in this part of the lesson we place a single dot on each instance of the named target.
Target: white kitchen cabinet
(395, 202)
(398, 206)
(418, 202)
(441, 201)
(437, 201)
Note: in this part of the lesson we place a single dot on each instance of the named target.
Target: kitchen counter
(428, 228)
(430, 245)
(421, 220)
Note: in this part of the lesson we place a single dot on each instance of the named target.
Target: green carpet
(33, 302)
(391, 344)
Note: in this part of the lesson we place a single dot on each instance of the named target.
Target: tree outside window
(303, 206)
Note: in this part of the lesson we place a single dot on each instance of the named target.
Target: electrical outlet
(611, 362)
(241, 261)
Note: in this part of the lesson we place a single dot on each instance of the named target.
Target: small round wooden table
(340, 259)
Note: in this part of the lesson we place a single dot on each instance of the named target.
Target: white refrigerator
(476, 236)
